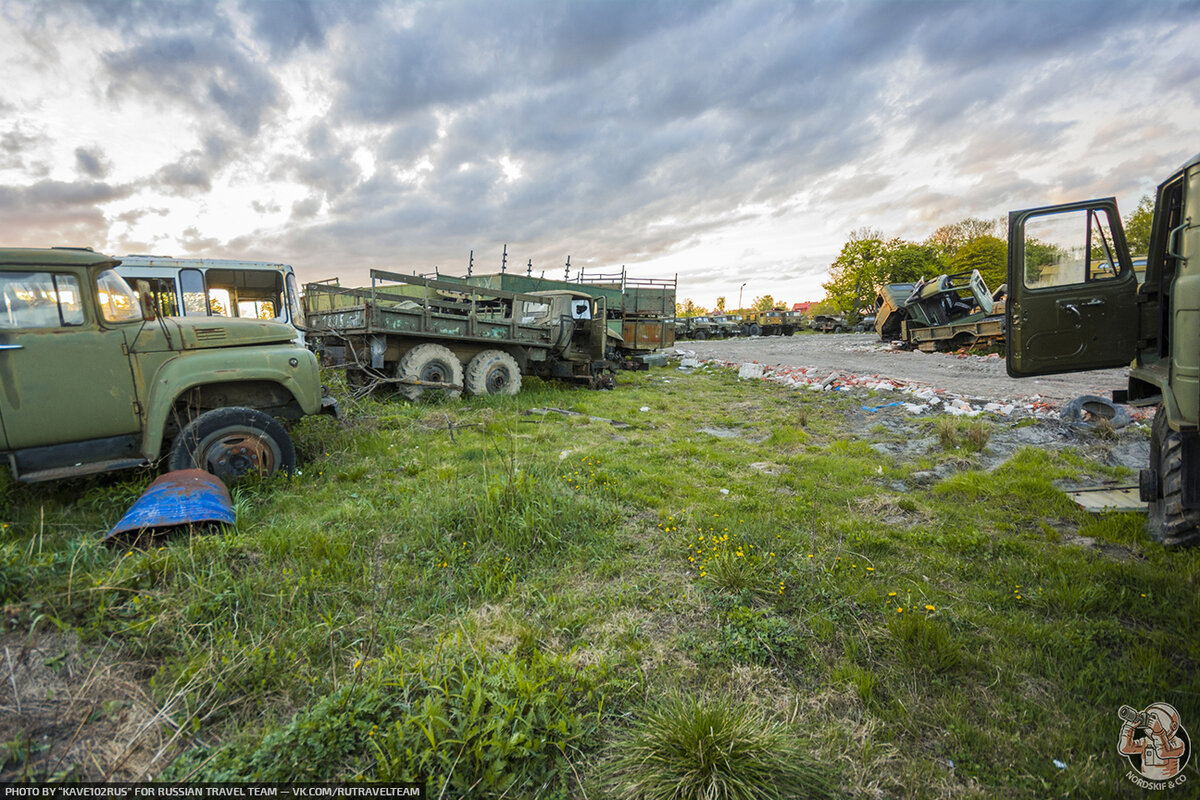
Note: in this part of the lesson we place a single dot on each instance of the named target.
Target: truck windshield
(118, 303)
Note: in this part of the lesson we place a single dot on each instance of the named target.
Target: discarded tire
(232, 443)
(492, 372)
(1089, 408)
(429, 363)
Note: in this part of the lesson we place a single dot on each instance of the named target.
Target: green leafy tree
(856, 274)
(764, 303)
(988, 254)
(720, 305)
(949, 239)
(687, 308)
(1137, 227)
(907, 262)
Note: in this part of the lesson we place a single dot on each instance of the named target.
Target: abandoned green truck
(422, 335)
(95, 381)
(1075, 304)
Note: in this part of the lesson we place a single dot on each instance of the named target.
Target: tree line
(869, 260)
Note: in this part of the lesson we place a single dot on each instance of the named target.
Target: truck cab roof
(55, 256)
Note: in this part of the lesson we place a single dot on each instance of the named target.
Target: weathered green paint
(64, 384)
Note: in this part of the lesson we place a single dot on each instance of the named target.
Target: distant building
(803, 307)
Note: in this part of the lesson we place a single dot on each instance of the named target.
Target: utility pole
(743, 286)
(471, 264)
(567, 271)
(504, 260)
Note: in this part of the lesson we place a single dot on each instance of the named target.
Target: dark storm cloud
(325, 164)
(192, 173)
(209, 74)
(15, 147)
(56, 213)
(91, 162)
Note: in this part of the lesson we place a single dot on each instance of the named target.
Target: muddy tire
(232, 443)
(755, 329)
(838, 329)
(492, 372)
(430, 363)
(1170, 523)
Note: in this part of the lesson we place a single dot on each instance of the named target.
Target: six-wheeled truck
(946, 313)
(95, 381)
(1075, 304)
(421, 334)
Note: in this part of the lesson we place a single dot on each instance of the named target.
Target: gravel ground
(862, 354)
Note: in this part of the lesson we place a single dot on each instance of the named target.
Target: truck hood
(197, 333)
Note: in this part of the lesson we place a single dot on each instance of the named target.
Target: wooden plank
(1108, 498)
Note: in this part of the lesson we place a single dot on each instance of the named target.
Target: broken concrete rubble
(924, 398)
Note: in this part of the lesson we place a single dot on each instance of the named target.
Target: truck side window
(1066, 248)
(195, 299)
(39, 300)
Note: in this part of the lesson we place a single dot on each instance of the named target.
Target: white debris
(689, 363)
(644, 408)
(724, 491)
(750, 371)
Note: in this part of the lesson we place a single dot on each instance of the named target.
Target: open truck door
(1072, 301)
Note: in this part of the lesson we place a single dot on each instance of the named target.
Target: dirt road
(862, 354)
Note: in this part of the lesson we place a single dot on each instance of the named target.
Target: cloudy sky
(728, 142)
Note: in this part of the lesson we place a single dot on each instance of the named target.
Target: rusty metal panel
(647, 334)
(182, 497)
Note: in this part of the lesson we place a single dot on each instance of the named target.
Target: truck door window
(39, 300)
(195, 299)
(1066, 248)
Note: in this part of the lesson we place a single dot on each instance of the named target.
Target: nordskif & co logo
(1156, 745)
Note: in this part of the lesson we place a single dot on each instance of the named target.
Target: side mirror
(146, 300)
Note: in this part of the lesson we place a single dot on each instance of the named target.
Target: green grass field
(731, 589)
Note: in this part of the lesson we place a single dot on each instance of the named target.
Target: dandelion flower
(929, 608)
(891, 594)
(899, 610)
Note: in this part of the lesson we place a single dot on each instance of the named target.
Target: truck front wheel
(232, 443)
(493, 372)
(429, 363)
(1170, 523)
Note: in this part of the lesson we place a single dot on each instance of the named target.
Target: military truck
(727, 326)
(416, 334)
(638, 309)
(946, 313)
(826, 323)
(770, 322)
(1075, 304)
(96, 381)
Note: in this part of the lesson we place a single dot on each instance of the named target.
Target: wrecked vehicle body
(946, 313)
(95, 381)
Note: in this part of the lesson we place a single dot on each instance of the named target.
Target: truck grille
(210, 334)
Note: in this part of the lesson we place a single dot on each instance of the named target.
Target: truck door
(1072, 292)
(63, 378)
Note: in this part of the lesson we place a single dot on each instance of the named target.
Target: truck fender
(291, 368)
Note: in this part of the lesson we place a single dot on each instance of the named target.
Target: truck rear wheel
(232, 443)
(492, 372)
(429, 363)
(755, 329)
(1170, 523)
